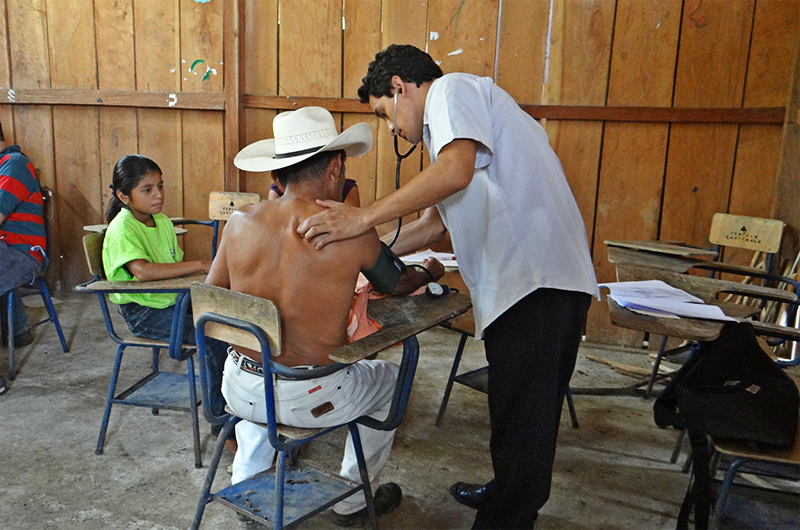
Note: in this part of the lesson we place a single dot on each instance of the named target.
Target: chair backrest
(93, 249)
(259, 311)
(222, 204)
(752, 233)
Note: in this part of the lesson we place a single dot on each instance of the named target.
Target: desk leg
(451, 379)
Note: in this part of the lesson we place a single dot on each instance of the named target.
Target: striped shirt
(20, 202)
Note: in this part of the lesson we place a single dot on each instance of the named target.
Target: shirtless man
(262, 254)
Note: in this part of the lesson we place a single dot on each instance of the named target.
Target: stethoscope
(400, 158)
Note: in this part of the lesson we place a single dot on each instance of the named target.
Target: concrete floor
(612, 472)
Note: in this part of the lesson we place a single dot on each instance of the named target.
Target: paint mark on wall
(434, 35)
(695, 21)
(202, 1)
(456, 52)
(172, 100)
(12, 96)
(191, 68)
(455, 14)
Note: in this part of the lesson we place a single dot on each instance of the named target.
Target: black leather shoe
(471, 495)
(387, 498)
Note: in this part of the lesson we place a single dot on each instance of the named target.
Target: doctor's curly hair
(408, 62)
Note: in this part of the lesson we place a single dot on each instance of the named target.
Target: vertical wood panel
(310, 48)
(362, 40)
(259, 127)
(201, 40)
(523, 39)
(632, 169)
(159, 133)
(117, 138)
(261, 77)
(33, 132)
(772, 49)
(467, 35)
(403, 22)
(71, 41)
(6, 114)
(711, 72)
(116, 68)
(158, 61)
(78, 195)
(261, 38)
(769, 70)
(30, 65)
(203, 172)
(202, 143)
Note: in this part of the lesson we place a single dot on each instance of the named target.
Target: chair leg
(51, 310)
(12, 374)
(205, 495)
(198, 459)
(451, 379)
(725, 490)
(571, 406)
(280, 477)
(156, 351)
(362, 469)
(661, 349)
(101, 440)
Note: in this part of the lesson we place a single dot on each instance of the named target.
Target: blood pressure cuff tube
(386, 272)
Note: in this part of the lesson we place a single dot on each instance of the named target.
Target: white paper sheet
(448, 259)
(655, 296)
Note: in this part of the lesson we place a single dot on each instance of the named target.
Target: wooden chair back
(222, 204)
(93, 250)
(259, 311)
(752, 233)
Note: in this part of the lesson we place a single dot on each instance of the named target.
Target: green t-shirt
(126, 240)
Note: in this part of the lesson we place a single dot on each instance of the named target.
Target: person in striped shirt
(22, 235)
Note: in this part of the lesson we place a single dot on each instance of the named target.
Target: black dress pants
(531, 350)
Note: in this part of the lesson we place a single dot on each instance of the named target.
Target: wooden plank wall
(89, 82)
(639, 168)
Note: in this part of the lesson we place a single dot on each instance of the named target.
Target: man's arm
(389, 275)
(425, 231)
(2, 219)
(451, 173)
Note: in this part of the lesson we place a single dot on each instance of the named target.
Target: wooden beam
(116, 98)
(555, 112)
(233, 21)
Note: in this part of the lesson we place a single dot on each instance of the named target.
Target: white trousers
(362, 389)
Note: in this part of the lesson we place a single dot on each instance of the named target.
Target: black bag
(729, 389)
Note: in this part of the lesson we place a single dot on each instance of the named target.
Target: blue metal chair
(158, 389)
(40, 286)
(281, 497)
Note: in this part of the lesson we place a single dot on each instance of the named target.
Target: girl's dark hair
(408, 62)
(127, 173)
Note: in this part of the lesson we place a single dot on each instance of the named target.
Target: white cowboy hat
(300, 134)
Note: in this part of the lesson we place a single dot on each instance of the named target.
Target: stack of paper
(447, 259)
(655, 297)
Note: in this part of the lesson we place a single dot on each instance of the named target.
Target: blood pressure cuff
(386, 272)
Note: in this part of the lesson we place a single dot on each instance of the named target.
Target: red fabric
(15, 187)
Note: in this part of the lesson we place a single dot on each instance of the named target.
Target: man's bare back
(263, 255)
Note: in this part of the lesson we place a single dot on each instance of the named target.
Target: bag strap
(699, 492)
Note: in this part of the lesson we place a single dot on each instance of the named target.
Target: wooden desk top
(171, 285)
(665, 247)
(689, 328)
(400, 318)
